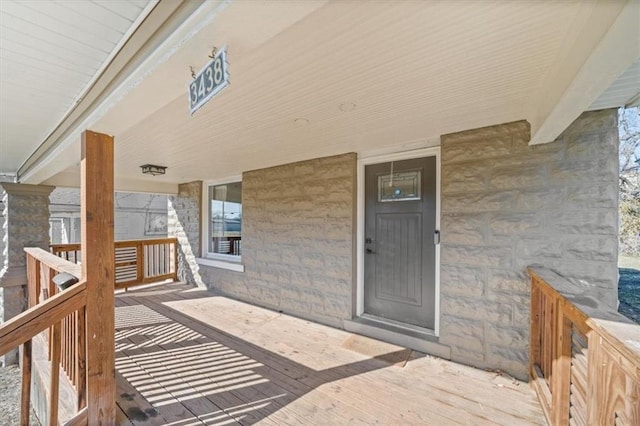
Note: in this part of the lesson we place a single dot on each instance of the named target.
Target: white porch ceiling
(414, 70)
(50, 52)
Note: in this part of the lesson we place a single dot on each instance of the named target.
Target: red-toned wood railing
(584, 359)
(137, 261)
(59, 318)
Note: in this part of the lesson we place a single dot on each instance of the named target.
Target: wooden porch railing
(59, 317)
(81, 319)
(584, 360)
(137, 261)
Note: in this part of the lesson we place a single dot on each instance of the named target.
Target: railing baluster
(141, 259)
(25, 397)
(163, 257)
(81, 359)
(55, 375)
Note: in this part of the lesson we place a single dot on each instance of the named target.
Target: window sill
(221, 264)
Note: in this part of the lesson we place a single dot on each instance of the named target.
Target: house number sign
(209, 81)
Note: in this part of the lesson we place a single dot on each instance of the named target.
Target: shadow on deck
(185, 356)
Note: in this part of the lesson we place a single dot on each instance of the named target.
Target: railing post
(534, 338)
(561, 367)
(98, 269)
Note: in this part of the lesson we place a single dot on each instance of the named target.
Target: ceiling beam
(615, 52)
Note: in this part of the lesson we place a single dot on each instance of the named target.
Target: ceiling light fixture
(153, 170)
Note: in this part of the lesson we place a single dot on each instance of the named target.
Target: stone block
(476, 309)
(592, 145)
(482, 148)
(461, 280)
(511, 360)
(516, 224)
(591, 248)
(485, 143)
(462, 332)
(512, 299)
(584, 222)
(478, 202)
(465, 177)
(510, 337)
(521, 315)
(514, 281)
(511, 177)
(579, 171)
(475, 255)
(540, 199)
(602, 196)
(463, 228)
(539, 249)
(464, 355)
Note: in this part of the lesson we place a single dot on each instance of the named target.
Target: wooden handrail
(137, 261)
(53, 261)
(59, 312)
(584, 358)
(39, 318)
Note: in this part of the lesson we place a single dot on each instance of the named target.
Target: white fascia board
(618, 49)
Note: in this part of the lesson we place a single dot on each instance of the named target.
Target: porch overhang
(436, 69)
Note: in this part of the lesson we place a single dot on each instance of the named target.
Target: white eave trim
(617, 50)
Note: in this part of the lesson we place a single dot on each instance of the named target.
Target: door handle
(436, 237)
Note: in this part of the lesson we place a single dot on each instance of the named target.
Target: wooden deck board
(191, 357)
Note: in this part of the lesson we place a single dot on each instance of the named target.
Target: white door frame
(362, 162)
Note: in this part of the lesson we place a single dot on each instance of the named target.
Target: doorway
(399, 240)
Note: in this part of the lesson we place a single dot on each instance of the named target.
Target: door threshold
(405, 335)
(413, 329)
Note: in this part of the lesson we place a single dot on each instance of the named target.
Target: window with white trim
(225, 220)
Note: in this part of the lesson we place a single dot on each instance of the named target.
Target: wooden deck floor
(186, 357)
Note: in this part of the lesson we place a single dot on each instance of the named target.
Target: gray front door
(399, 259)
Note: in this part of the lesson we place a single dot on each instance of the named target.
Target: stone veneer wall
(298, 240)
(183, 222)
(3, 178)
(507, 205)
(26, 224)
